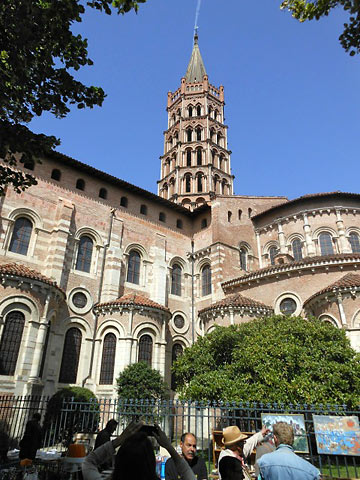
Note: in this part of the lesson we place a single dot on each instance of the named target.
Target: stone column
(343, 241)
(310, 247)
(259, 249)
(281, 238)
(39, 344)
(341, 310)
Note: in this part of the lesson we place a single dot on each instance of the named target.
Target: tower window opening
(56, 175)
(243, 258)
(221, 158)
(103, 193)
(229, 216)
(190, 111)
(216, 113)
(187, 184)
(199, 156)
(249, 212)
(124, 202)
(162, 217)
(209, 110)
(199, 183)
(239, 214)
(198, 110)
(354, 242)
(198, 134)
(143, 209)
(218, 138)
(189, 134)
(80, 184)
(188, 158)
(179, 224)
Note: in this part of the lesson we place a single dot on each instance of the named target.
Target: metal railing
(175, 417)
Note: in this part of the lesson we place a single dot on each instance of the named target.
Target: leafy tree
(37, 53)
(275, 359)
(78, 417)
(140, 381)
(308, 10)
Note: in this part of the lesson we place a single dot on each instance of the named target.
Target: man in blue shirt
(284, 464)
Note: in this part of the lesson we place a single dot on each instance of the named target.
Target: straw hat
(232, 435)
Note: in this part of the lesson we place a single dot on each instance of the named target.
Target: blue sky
(292, 94)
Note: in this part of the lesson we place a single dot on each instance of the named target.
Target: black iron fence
(204, 419)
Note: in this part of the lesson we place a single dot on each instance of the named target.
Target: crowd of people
(135, 458)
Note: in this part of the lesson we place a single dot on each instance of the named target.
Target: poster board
(294, 419)
(337, 435)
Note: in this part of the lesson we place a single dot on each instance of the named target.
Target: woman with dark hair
(135, 458)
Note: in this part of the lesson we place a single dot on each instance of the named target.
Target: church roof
(350, 280)
(18, 270)
(133, 299)
(196, 68)
(237, 301)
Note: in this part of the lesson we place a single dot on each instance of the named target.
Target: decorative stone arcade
(196, 161)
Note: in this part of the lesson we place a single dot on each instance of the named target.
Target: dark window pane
(297, 250)
(354, 242)
(56, 174)
(124, 202)
(133, 275)
(176, 280)
(243, 258)
(326, 245)
(80, 184)
(83, 262)
(177, 351)
(288, 306)
(272, 254)
(10, 342)
(179, 322)
(206, 280)
(108, 360)
(145, 349)
(79, 300)
(21, 236)
(143, 209)
(71, 355)
(103, 193)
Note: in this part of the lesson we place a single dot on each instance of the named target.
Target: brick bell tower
(196, 161)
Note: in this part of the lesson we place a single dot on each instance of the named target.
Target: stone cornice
(307, 265)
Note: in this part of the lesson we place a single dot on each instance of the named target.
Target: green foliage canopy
(140, 381)
(308, 10)
(275, 359)
(38, 54)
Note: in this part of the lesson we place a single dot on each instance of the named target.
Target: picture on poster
(298, 423)
(337, 435)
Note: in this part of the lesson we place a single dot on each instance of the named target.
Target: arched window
(249, 212)
(239, 214)
(189, 134)
(187, 183)
(108, 360)
(198, 110)
(145, 349)
(70, 357)
(177, 351)
(133, 274)
(29, 164)
(83, 261)
(198, 134)
(209, 110)
(143, 209)
(297, 249)
(206, 280)
(272, 254)
(221, 158)
(21, 235)
(124, 202)
(188, 158)
(326, 245)
(215, 114)
(176, 279)
(56, 175)
(162, 217)
(103, 193)
(80, 184)
(354, 242)
(10, 342)
(199, 183)
(199, 156)
(218, 138)
(243, 258)
(179, 223)
(190, 111)
(229, 216)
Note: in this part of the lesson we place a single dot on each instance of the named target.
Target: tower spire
(196, 69)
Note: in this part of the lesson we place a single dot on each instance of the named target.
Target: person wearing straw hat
(238, 446)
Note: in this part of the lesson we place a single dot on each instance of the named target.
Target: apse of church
(97, 273)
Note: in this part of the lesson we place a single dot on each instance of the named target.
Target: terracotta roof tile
(347, 281)
(306, 197)
(19, 270)
(134, 299)
(236, 300)
(300, 263)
